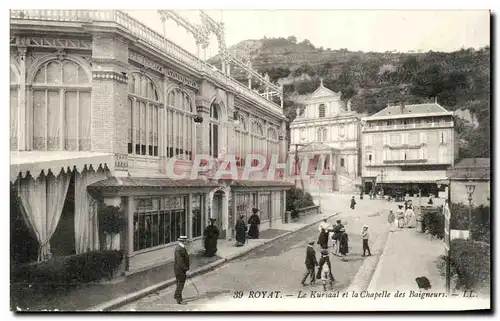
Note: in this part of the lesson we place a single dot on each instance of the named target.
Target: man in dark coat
(254, 222)
(353, 203)
(344, 244)
(181, 266)
(311, 263)
(211, 234)
(241, 230)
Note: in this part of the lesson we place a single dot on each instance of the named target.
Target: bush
(296, 199)
(470, 260)
(480, 229)
(433, 220)
(66, 272)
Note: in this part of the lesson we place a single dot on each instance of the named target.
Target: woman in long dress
(401, 217)
(323, 234)
(241, 230)
(344, 244)
(392, 220)
(410, 218)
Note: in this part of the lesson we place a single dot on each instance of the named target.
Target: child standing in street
(325, 272)
(366, 236)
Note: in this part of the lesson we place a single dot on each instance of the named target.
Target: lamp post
(470, 190)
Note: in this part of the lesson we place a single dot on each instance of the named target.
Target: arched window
(213, 134)
(61, 112)
(257, 138)
(321, 134)
(180, 130)
(322, 110)
(241, 133)
(272, 143)
(14, 107)
(143, 123)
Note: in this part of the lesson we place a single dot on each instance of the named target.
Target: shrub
(480, 229)
(433, 220)
(470, 260)
(67, 272)
(296, 199)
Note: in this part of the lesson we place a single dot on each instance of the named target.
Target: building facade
(475, 172)
(100, 106)
(328, 129)
(407, 148)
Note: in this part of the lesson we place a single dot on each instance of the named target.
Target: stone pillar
(282, 143)
(110, 112)
(130, 231)
(202, 136)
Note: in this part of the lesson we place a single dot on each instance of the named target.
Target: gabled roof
(316, 146)
(321, 91)
(432, 108)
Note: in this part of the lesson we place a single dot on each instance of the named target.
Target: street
(278, 266)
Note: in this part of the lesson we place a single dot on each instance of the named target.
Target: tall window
(241, 133)
(257, 138)
(265, 207)
(159, 221)
(272, 143)
(14, 92)
(61, 112)
(197, 211)
(342, 162)
(213, 134)
(322, 110)
(180, 129)
(244, 203)
(143, 124)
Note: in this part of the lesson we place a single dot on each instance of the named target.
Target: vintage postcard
(179, 160)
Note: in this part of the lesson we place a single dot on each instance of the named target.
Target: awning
(35, 162)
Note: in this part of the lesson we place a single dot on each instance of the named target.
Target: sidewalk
(97, 297)
(408, 254)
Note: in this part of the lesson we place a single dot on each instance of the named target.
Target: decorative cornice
(202, 105)
(110, 75)
(46, 42)
(145, 62)
(183, 80)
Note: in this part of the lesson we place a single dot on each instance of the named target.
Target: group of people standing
(252, 228)
(403, 218)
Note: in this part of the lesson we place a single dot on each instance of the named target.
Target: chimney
(402, 108)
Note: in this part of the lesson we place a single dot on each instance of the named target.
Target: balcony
(405, 161)
(146, 35)
(408, 126)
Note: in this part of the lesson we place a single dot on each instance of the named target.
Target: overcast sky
(365, 30)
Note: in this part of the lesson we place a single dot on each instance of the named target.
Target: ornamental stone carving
(110, 75)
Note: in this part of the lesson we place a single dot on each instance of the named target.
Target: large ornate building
(328, 129)
(408, 148)
(99, 104)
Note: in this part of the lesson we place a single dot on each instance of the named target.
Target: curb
(364, 277)
(112, 304)
(378, 269)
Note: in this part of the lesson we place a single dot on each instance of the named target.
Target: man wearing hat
(181, 266)
(366, 236)
(211, 235)
(254, 222)
(311, 263)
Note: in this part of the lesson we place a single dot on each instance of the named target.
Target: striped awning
(34, 162)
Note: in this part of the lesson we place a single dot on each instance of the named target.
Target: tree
(292, 39)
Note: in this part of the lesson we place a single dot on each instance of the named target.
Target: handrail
(147, 35)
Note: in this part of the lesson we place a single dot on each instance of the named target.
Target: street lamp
(470, 190)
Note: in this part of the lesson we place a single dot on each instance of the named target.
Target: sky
(364, 30)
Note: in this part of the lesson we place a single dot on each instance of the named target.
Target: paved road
(275, 267)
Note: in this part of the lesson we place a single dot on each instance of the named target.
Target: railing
(147, 35)
(408, 126)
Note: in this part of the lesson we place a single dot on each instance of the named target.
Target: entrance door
(217, 212)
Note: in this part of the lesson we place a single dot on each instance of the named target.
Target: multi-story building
(408, 148)
(328, 128)
(100, 104)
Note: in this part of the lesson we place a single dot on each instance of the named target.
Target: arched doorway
(218, 209)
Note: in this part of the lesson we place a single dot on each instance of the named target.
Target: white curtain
(42, 203)
(86, 219)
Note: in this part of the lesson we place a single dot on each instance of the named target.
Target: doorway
(217, 212)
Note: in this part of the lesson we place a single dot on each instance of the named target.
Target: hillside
(458, 80)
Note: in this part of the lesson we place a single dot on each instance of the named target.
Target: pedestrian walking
(401, 216)
(211, 235)
(181, 266)
(392, 220)
(254, 222)
(366, 237)
(241, 230)
(410, 218)
(353, 203)
(323, 233)
(336, 237)
(343, 244)
(310, 263)
(325, 270)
